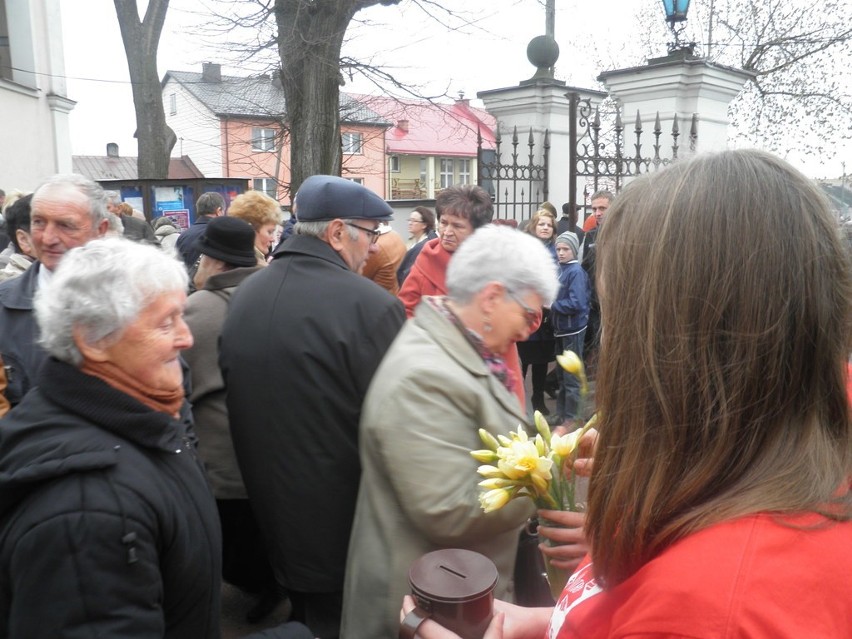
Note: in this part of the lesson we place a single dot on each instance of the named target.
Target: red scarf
(168, 402)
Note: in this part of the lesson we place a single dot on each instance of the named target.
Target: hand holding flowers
(543, 469)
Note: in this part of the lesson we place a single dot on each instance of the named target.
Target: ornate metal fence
(598, 152)
(606, 162)
(517, 188)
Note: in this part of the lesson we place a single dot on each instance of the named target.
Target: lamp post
(676, 15)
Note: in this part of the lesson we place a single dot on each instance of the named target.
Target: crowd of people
(298, 421)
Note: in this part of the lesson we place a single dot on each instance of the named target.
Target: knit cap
(571, 240)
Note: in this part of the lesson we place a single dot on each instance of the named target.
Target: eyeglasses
(414, 219)
(373, 233)
(533, 316)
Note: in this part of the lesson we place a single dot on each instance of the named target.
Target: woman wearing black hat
(227, 258)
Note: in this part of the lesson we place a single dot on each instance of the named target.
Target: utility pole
(550, 18)
(710, 31)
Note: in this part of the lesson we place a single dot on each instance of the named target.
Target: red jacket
(428, 276)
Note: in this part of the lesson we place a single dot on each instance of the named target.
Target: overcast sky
(489, 54)
(492, 54)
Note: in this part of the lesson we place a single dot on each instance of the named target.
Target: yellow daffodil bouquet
(517, 466)
(541, 468)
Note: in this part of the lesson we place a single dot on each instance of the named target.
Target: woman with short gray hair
(441, 381)
(108, 524)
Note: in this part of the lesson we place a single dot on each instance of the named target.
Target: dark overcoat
(300, 345)
(107, 524)
(19, 347)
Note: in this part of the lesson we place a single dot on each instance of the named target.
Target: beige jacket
(418, 488)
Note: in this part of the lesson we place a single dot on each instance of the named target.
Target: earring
(486, 324)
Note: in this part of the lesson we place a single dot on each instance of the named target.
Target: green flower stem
(556, 577)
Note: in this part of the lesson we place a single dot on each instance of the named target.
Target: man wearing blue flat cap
(300, 345)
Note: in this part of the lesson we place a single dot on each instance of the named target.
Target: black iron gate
(593, 157)
(597, 152)
(517, 188)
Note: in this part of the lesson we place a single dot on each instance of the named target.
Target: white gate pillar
(681, 84)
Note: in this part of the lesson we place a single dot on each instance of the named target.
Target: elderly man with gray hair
(67, 211)
(299, 347)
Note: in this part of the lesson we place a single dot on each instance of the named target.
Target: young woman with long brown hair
(720, 499)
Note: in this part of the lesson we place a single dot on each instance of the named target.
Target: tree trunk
(310, 36)
(155, 139)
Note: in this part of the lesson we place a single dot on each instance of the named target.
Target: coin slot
(450, 570)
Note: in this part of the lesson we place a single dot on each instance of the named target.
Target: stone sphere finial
(543, 52)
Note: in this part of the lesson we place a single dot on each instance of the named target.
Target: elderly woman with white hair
(108, 525)
(440, 382)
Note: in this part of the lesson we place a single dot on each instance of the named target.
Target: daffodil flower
(572, 364)
(540, 482)
(484, 456)
(488, 439)
(542, 426)
(497, 482)
(490, 471)
(494, 499)
(564, 445)
(540, 446)
(521, 459)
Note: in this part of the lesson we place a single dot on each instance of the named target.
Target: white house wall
(198, 129)
(34, 131)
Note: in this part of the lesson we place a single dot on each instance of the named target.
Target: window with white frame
(352, 142)
(266, 185)
(6, 71)
(446, 174)
(394, 164)
(424, 170)
(357, 180)
(5, 50)
(172, 104)
(262, 139)
(464, 171)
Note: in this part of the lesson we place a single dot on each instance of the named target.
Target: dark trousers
(592, 340)
(319, 611)
(536, 354)
(539, 377)
(568, 395)
(245, 563)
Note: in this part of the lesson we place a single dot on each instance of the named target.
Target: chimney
(211, 72)
(112, 150)
(403, 125)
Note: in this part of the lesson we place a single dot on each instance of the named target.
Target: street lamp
(676, 15)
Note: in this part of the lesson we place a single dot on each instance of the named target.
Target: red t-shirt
(849, 382)
(751, 578)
